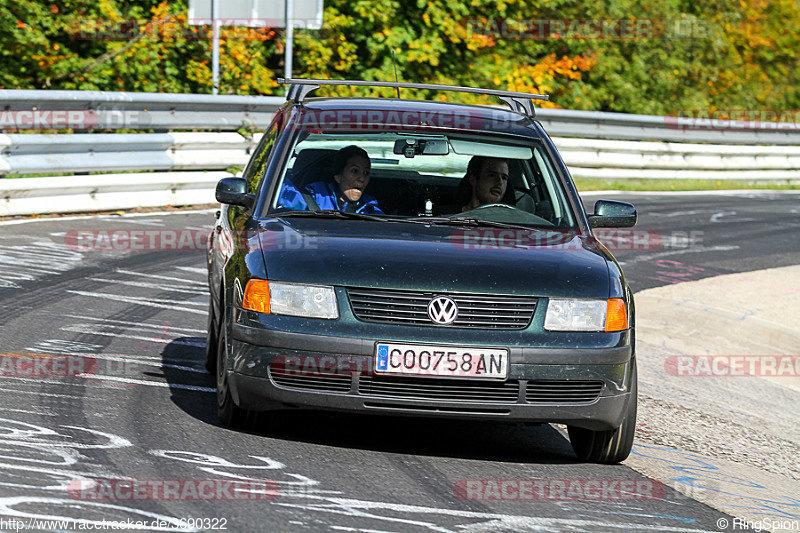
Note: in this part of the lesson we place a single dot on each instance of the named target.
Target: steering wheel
(483, 208)
(489, 206)
(463, 213)
(518, 216)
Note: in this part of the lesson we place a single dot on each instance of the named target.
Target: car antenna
(394, 60)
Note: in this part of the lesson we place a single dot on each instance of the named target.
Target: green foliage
(119, 46)
(715, 55)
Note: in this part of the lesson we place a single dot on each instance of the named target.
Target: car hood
(402, 256)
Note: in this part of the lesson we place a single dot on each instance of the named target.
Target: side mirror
(611, 214)
(234, 191)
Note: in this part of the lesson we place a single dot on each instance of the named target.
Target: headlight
(295, 299)
(586, 315)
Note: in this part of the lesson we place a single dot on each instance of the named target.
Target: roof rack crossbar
(519, 102)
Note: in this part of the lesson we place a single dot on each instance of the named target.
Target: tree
(716, 55)
(111, 45)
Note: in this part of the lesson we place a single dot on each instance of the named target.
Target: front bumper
(532, 370)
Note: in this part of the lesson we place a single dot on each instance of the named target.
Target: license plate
(449, 361)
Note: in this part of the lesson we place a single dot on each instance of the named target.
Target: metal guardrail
(601, 158)
(601, 125)
(103, 192)
(104, 110)
(593, 144)
(109, 152)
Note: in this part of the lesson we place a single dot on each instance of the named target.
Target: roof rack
(519, 102)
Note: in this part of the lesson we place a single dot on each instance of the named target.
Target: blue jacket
(327, 196)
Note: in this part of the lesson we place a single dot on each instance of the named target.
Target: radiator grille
(331, 383)
(563, 391)
(448, 390)
(411, 308)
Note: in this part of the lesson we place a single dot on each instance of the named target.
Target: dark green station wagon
(419, 258)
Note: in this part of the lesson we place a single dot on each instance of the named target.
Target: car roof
(411, 114)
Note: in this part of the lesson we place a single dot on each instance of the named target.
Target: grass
(595, 184)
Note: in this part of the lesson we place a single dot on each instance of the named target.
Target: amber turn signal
(616, 315)
(256, 296)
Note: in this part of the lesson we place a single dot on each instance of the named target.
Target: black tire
(212, 339)
(610, 446)
(228, 412)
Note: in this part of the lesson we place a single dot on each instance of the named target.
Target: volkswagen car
(414, 287)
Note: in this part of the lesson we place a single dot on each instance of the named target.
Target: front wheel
(212, 339)
(228, 412)
(610, 446)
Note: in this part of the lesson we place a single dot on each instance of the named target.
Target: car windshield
(437, 178)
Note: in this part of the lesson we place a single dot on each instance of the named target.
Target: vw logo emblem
(442, 310)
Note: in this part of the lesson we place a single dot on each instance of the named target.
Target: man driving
(488, 180)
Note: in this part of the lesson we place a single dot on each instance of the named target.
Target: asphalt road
(687, 236)
(144, 408)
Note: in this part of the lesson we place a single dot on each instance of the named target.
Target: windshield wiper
(443, 221)
(331, 213)
(468, 221)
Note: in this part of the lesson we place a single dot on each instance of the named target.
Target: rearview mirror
(233, 191)
(411, 147)
(612, 214)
